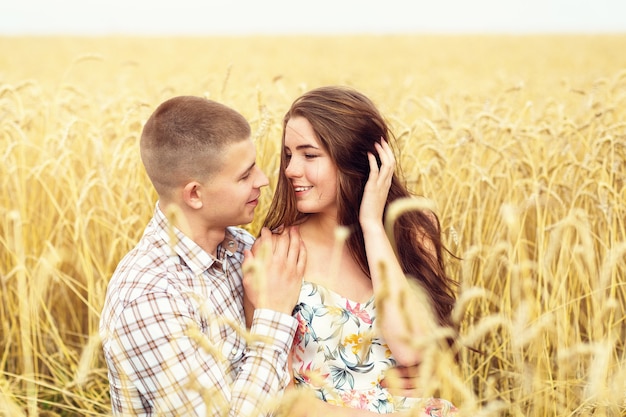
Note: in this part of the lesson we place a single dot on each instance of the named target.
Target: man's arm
(181, 371)
(265, 363)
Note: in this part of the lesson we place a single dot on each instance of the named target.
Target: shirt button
(233, 352)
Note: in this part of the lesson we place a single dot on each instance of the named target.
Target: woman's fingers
(387, 162)
(301, 264)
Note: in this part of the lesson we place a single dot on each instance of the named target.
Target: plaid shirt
(171, 331)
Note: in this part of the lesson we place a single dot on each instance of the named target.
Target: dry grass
(520, 142)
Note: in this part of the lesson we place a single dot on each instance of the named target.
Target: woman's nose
(292, 169)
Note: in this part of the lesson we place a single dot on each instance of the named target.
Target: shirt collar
(189, 251)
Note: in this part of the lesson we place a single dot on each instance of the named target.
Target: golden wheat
(518, 142)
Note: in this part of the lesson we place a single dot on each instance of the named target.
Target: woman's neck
(320, 227)
(329, 261)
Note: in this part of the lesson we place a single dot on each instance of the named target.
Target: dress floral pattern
(339, 354)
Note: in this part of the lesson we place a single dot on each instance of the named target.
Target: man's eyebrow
(245, 171)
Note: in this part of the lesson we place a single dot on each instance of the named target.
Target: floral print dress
(339, 354)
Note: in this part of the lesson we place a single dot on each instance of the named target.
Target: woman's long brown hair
(348, 124)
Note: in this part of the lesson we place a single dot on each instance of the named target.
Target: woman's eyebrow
(307, 146)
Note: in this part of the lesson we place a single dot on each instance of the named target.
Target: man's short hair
(184, 139)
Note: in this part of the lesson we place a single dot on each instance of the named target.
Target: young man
(172, 326)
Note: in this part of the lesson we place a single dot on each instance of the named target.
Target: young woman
(337, 172)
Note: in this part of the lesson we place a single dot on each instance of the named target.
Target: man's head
(184, 140)
(199, 155)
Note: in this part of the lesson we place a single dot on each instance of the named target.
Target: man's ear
(192, 195)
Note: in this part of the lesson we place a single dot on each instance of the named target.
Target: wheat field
(519, 141)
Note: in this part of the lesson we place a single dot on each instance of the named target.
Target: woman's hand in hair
(377, 186)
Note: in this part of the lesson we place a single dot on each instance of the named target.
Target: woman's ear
(192, 195)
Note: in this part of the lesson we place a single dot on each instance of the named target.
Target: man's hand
(273, 271)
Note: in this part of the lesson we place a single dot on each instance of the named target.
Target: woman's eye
(310, 156)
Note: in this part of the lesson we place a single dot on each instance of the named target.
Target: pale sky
(245, 17)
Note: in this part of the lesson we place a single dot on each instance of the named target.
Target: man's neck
(205, 236)
(209, 239)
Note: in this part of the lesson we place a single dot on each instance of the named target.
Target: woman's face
(310, 169)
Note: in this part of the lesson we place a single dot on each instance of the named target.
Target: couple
(174, 311)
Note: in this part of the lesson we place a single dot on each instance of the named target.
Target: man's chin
(247, 219)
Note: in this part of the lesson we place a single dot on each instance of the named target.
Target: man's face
(232, 193)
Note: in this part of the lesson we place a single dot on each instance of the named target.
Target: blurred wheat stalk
(531, 196)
